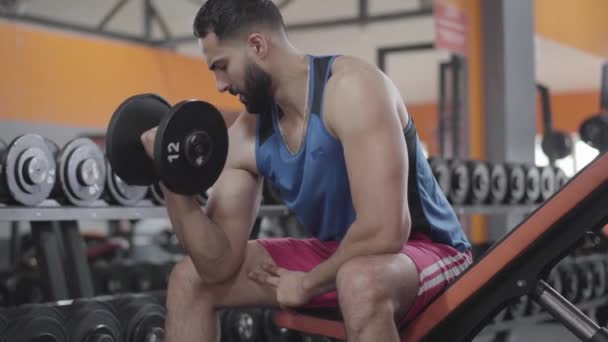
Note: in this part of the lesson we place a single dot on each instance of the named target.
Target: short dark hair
(226, 18)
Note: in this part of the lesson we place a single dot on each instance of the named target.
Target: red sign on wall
(451, 28)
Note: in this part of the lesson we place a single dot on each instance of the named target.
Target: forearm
(322, 278)
(203, 240)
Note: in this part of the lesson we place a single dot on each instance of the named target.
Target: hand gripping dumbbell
(190, 147)
(81, 172)
(27, 170)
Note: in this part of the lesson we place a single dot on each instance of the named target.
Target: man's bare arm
(216, 238)
(363, 116)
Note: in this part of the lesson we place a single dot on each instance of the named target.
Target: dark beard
(257, 94)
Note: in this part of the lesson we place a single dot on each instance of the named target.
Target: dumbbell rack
(60, 248)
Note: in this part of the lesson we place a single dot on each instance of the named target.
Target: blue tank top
(314, 184)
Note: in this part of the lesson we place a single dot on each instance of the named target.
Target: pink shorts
(438, 265)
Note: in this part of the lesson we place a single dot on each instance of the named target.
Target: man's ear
(258, 45)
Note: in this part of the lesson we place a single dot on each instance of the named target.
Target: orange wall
(70, 79)
(580, 24)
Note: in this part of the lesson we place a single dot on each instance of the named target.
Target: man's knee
(361, 292)
(185, 281)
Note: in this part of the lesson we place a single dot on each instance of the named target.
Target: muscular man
(333, 135)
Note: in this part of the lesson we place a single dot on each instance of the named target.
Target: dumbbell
(27, 170)
(517, 183)
(120, 193)
(532, 193)
(499, 183)
(272, 332)
(560, 178)
(570, 282)
(547, 182)
(460, 189)
(91, 321)
(81, 172)
(241, 325)
(586, 281)
(441, 170)
(600, 277)
(191, 143)
(34, 323)
(142, 317)
(594, 131)
(480, 181)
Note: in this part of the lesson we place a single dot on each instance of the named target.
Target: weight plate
(585, 275)
(143, 319)
(191, 147)
(124, 149)
(273, 332)
(441, 171)
(29, 170)
(594, 131)
(92, 321)
(560, 178)
(156, 194)
(480, 181)
(121, 193)
(461, 182)
(36, 323)
(499, 183)
(600, 277)
(242, 325)
(532, 184)
(82, 171)
(517, 183)
(547, 182)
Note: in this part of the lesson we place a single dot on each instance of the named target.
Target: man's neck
(291, 83)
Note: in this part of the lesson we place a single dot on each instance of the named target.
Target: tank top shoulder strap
(321, 73)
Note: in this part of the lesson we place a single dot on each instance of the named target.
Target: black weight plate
(156, 194)
(36, 323)
(271, 331)
(547, 182)
(82, 171)
(242, 325)
(517, 183)
(89, 320)
(29, 170)
(4, 194)
(570, 282)
(594, 131)
(600, 277)
(560, 178)
(586, 284)
(532, 184)
(173, 166)
(124, 149)
(480, 181)
(441, 171)
(460, 191)
(143, 319)
(121, 193)
(499, 183)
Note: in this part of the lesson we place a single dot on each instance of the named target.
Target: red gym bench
(515, 266)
